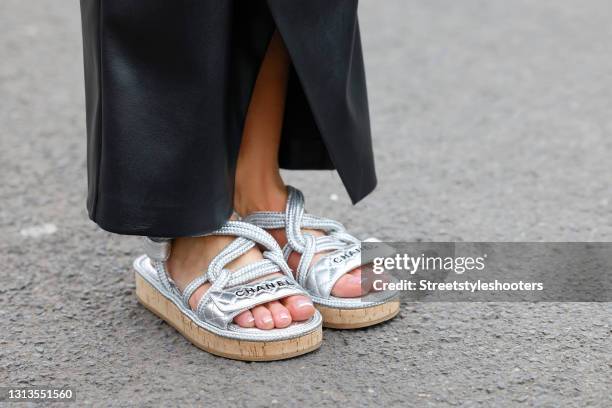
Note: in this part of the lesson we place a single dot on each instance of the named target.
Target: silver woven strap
(320, 277)
(230, 292)
(193, 286)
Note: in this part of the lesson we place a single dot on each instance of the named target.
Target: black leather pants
(168, 84)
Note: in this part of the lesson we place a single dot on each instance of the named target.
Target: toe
(367, 278)
(377, 281)
(245, 319)
(280, 314)
(300, 307)
(263, 317)
(348, 285)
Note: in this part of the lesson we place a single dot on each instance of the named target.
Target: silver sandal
(210, 326)
(319, 278)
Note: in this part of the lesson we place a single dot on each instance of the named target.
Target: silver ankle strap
(157, 249)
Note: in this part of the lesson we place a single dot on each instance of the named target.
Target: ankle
(259, 194)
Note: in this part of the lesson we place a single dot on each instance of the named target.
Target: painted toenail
(251, 319)
(267, 319)
(284, 316)
(303, 303)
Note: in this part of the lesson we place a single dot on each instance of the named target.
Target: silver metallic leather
(345, 252)
(231, 292)
(221, 306)
(158, 250)
(326, 271)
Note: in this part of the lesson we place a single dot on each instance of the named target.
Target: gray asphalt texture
(491, 121)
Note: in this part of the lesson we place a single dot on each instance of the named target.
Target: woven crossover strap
(230, 293)
(227, 295)
(293, 220)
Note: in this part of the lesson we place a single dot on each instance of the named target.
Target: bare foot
(189, 257)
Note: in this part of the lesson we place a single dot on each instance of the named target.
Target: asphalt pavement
(491, 121)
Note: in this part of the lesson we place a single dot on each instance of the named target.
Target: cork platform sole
(335, 318)
(234, 349)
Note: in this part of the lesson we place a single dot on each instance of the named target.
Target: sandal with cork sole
(210, 326)
(343, 253)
